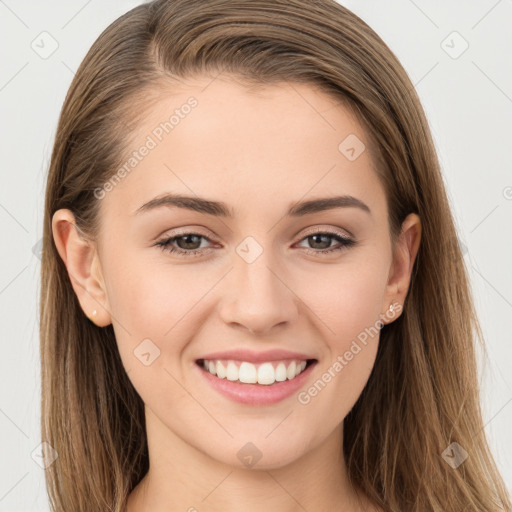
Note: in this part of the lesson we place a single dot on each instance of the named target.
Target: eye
(324, 238)
(189, 244)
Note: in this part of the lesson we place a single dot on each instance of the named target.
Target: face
(251, 274)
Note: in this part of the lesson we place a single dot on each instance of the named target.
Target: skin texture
(259, 151)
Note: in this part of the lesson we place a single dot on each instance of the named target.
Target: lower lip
(257, 394)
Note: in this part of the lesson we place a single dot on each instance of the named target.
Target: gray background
(468, 99)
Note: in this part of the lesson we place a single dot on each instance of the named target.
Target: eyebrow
(220, 209)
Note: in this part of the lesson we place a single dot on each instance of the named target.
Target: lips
(256, 378)
(257, 357)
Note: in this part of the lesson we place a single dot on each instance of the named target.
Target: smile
(264, 373)
(256, 383)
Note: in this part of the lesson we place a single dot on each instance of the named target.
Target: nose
(258, 297)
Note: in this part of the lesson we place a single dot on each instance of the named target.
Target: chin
(258, 453)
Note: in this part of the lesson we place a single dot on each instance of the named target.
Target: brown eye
(320, 242)
(189, 241)
(187, 244)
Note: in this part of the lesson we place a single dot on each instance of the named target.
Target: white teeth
(247, 373)
(221, 371)
(281, 372)
(290, 372)
(264, 373)
(232, 371)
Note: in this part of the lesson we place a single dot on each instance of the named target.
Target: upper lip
(256, 357)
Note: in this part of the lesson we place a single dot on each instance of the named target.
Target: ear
(81, 258)
(400, 272)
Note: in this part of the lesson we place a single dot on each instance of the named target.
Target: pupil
(314, 237)
(188, 241)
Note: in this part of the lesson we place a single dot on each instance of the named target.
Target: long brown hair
(422, 395)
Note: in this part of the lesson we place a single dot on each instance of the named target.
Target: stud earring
(391, 307)
(92, 314)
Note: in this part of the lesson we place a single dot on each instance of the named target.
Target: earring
(391, 307)
(92, 314)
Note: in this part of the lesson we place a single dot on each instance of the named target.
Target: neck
(183, 478)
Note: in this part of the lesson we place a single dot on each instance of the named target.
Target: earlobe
(81, 259)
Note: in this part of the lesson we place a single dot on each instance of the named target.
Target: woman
(199, 350)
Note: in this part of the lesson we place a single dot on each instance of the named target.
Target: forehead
(257, 145)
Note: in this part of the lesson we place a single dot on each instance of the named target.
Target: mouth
(265, 373)
(257, 382)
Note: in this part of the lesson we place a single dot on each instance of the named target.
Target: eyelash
(346, 243)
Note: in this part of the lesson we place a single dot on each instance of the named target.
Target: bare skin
(259, 152)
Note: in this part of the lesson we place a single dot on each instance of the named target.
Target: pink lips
(256, 357)
(256, 394)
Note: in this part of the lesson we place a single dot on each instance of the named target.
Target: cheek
(145, 309)
(346, 301)
(155, 307)
(347, 304)
(146, 296)
(351, 343)
(359, 305)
